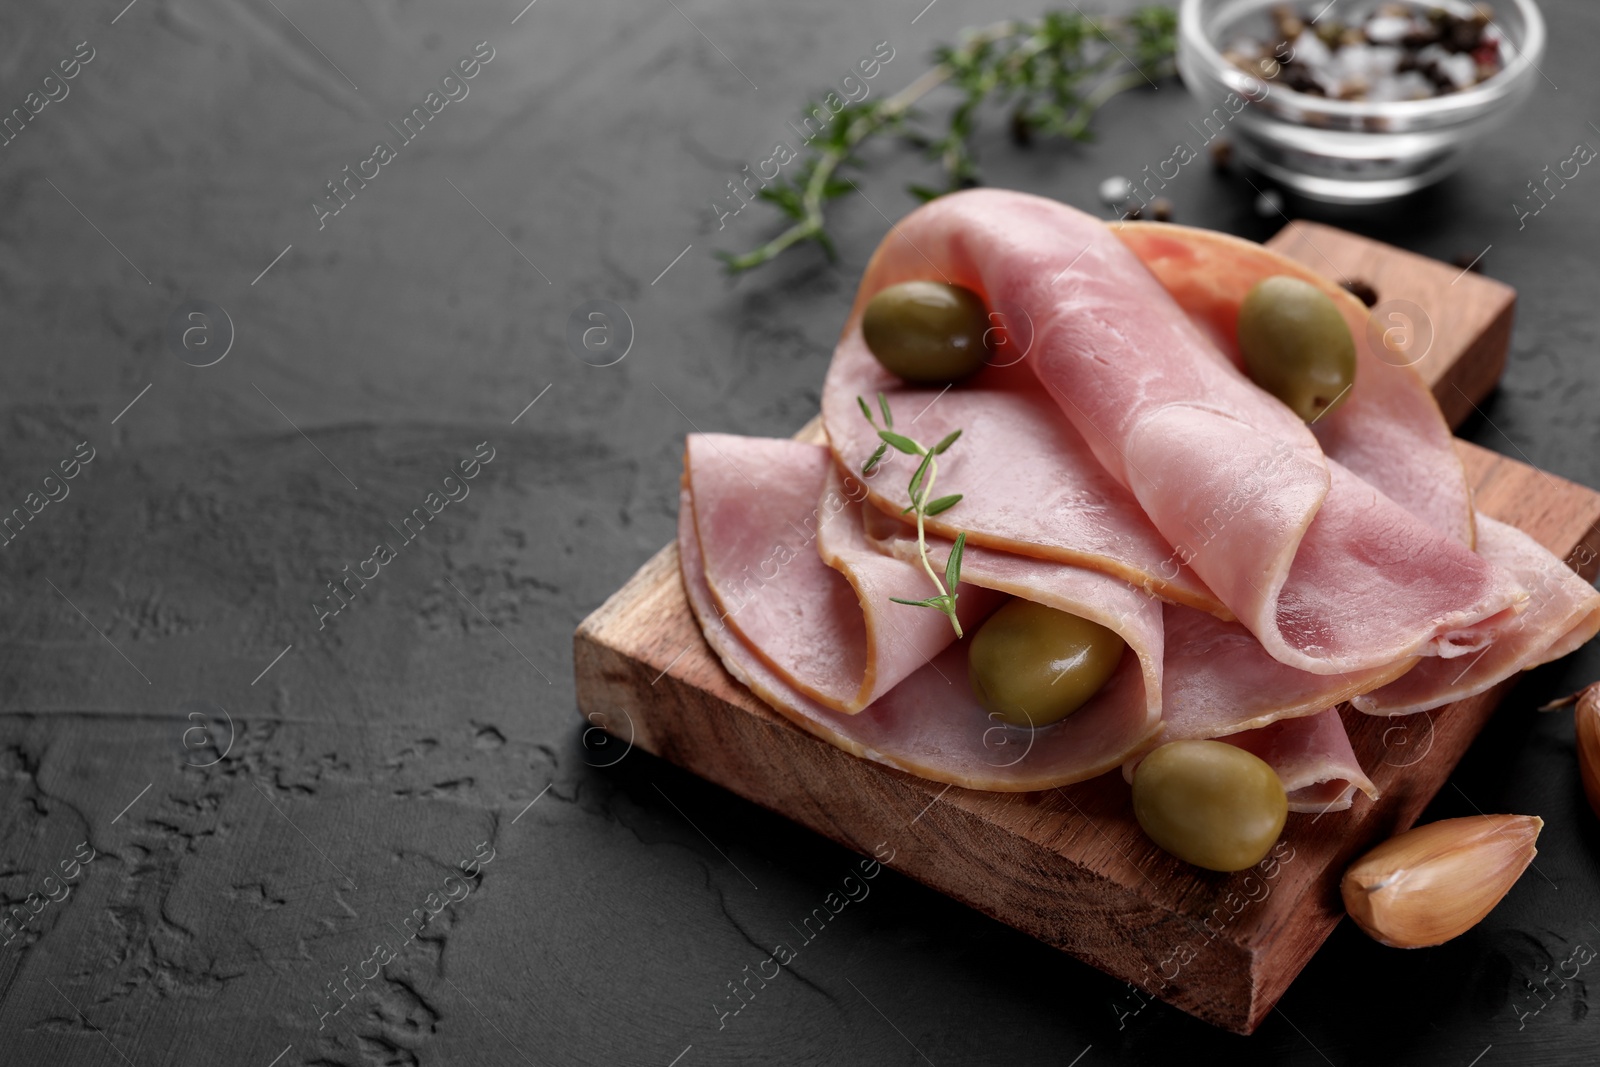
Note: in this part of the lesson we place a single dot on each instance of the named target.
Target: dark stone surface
(381, 751)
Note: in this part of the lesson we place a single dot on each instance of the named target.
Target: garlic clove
(1587, 717)
(1435, 882)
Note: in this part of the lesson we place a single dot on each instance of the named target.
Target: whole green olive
(928, 333)
(1209, 803)
(1296, 345)
(1030, 665)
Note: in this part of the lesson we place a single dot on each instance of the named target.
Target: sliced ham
(1031, 485)
(1389, 430)
(1218, 680)
(1313, 757)
(1319, 565)
(760, 510)
(1134, 615)
(1563, 612)
(929, 725)
(1311, 754)
(1262, 573)
(1214, 677)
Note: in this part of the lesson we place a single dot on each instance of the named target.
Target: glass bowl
(1343, 151)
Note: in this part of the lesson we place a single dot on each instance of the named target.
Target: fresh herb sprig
(1054, 72)
(924, 505)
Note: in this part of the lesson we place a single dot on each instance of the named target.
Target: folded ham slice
(1563, 612)
(1389, 430)
(807, 615)
(761, 515)
(1134, 615)
(1218, 680)
(1313, 757)
(1331, 575)
(1050, 497)
(1126, 470)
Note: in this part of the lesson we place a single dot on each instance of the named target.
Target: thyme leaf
(920, 489)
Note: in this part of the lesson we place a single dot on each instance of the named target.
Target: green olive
(1209, 803)
(1296, 345)
(1030, 665)
(928, 333)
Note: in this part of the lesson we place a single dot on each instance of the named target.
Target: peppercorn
(1360, 290)
(1021, 130)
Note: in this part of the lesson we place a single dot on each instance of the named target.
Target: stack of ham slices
(1116, 463)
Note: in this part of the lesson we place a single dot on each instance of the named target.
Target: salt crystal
(1366, 61)
(1460, 68)
(1309, 49)
(1247, 47)
(1412, 85)
(1432, 54)
(1387, 29)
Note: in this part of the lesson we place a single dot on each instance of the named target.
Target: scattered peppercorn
(1361, 290)
(1021, 130)
(1467, 261)
(1161, 209)
(1221, 153)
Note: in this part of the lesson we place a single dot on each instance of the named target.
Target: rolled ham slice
(1313, 757)
(1389, 431)
(929, 724)
(1214, 677)
(1135, 615)
(1329, 573)
(1050, 498)
(1218, 680)
(760, 513)
(1563, 612)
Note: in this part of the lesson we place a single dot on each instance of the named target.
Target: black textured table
(289, 759)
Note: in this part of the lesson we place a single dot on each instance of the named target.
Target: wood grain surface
(1071, 866)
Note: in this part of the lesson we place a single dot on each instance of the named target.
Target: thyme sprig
(1054, 72)
(920, 490)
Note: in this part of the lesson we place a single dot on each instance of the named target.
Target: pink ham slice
(1134, 615)
(1218, 680)
(1201, 448)
(760, 513)
(929, 724)
(1389, 430)
(1313, 757)
(1215, 679)
(1563, 612)
(1050, 497)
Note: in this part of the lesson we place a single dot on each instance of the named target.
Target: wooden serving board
(1070, 866)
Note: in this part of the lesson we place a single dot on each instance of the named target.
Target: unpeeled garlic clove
(1435, 882)
(1587, 717)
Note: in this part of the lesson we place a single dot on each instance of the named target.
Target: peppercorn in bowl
(1358, 101)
